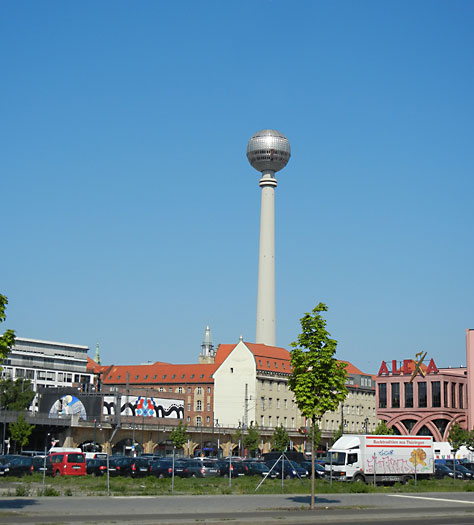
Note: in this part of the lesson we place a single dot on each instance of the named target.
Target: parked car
(163, 467)
(68, 463)
(39, 464)
(288, 469)
(96, 466)
(258, 468)
(13, 465)
(318, 469)
(443, 471)
(131, 466)
(459, 469)
(196, 468)
(237, 468)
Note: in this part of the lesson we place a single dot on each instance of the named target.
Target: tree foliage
(7, 340)
(457, 437)
(318, 379)
(280, 439)
(21, 430)
(252, 438)
(178, 436)
(337, 433)
(15, 395)
(382, 429)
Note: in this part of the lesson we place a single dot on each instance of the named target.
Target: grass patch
(152, 486)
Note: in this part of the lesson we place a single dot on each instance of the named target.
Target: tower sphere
(268, 150)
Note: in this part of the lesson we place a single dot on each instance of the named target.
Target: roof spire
(207, 346)
(97, 354)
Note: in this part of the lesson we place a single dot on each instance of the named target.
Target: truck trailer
(380, 459)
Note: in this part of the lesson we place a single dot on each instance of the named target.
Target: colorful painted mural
(150, 407)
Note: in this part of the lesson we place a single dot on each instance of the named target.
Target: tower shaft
(266, 331)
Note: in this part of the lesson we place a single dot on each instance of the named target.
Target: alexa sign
(409, 366)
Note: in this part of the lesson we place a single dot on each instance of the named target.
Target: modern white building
(48, 364)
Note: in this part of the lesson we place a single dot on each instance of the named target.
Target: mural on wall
(69, 402)
(145, 407)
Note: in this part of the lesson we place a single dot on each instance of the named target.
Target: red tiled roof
(159, 373)
(351, 369)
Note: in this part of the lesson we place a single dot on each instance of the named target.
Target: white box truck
(383, 459)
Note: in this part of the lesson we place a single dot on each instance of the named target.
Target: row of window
(278, 421)
(198, 420)
(264, 404)
(199, 406)
(275, 365)
(137, 376)
(280, 385)
(44, 375)
(180, 390)
(448, 398)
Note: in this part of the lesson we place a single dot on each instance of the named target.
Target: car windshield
(337, 458)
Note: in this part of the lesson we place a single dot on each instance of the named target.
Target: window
(182, 376)
(382, 395)
(292, 422)
(60, 375)
(278, 421)
(453, 395)
(208, 419)
(278, 403)
(30, 374)
(180, 390)
(461, 395)
(435, 394)
(189, 407)
(161, 389)
(445, 394)
(262, 401)
(292, 403)
(198, 421)
(189, 389)
(278, 386)
(202, 375)
(408, 395)
(260, 362)
(20, 372)
(262, 421)
(188, 419)
(231, 370)
(422, 401)
(208, 389)
(285, 422)
(199, 390)
(208, 406)
(283, 366)
(173, 376)
(286, 403)
(136, 377)
(155, 376)
(198, 405)
(269, 421)
(192, 376)
(268, 364)
(170, 389)
(270, 385)
(164, 376)
(270, 402)
(395, 395)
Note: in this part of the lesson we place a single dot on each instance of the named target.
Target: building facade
(421, 399)
(48, 364)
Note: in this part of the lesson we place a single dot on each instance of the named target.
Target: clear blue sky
(130, 214)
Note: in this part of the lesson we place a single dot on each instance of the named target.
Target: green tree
(280, 439)
(16, 395)
(317, 379)
(337, 433)
(7, 340)
(20, 431)
(382, 429)
(178, 436)
(252, 439)
(457, 437)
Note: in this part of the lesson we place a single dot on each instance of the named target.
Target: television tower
(268, 151)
